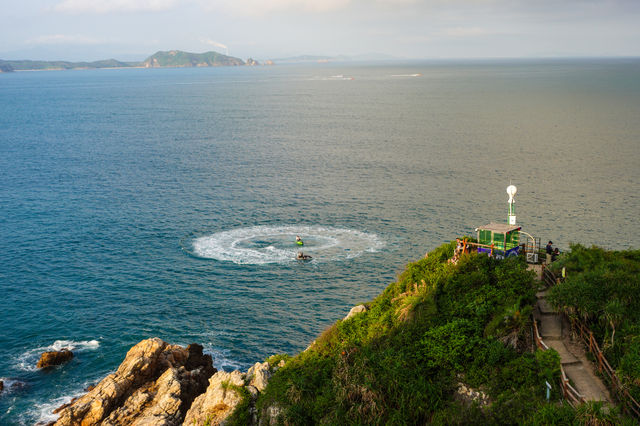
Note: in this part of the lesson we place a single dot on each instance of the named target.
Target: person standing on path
(549, 250)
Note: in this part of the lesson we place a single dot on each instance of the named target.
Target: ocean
(165, 202)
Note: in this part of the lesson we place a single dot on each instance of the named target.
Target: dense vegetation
(602, 288)
(178, 58)
(441, 328)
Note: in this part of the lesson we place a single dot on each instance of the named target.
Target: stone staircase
(555, 334)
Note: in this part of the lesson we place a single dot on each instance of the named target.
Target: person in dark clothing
(555, 254)
(549, 250)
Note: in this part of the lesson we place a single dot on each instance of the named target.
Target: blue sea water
(137, 203)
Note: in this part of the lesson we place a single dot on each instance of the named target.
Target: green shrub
(240, 415)
(274, 360)
(601, 289)
(554, 414)
(449, 346)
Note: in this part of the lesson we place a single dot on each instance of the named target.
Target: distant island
(161, 59)
(178, 59)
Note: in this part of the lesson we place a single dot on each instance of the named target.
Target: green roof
(502, 228)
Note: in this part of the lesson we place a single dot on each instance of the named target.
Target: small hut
(499, 240)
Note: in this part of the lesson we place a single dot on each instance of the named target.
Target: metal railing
(604, 368)
(569, 393)
(548, 277)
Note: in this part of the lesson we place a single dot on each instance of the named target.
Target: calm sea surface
(140, 203)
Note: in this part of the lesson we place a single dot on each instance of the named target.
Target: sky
(269, 29)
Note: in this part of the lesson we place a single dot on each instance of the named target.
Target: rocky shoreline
(163, 384)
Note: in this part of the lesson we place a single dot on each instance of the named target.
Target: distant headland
(160, 59)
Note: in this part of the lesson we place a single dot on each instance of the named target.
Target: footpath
(556, 333)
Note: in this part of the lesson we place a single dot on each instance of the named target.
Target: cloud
(113, 6)
(214, 44)
(64, 39)
(463, 32)
(262, 7)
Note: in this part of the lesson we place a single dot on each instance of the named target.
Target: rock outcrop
(219, 401)
(53, 358)
(163, 384)
(468, 395)
(355, 311)
(155, 385)
(227, 390)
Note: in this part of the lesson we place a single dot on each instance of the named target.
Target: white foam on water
(11, 384)
(221, 360)
(73, 345)
(27, 361)
(43, 412)
(325, 243)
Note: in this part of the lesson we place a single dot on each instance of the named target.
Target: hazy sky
(134, 29)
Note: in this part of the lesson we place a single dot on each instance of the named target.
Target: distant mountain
(23, 65)
(338, 58)
(5, 67)
(303, 58)
(172, 58)
(178, 58)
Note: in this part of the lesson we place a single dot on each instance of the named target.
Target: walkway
(556, 334)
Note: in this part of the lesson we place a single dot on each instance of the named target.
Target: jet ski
(302, 256)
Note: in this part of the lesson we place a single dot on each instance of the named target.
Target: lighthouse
(511, 190)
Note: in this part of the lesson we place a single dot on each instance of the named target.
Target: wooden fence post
(600, 362)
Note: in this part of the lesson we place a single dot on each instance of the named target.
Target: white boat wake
(276, 244)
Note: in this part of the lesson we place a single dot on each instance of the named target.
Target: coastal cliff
(155, 384)
(448, 343)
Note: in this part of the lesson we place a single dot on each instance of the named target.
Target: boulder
(355, 310)
(259, 375)
(1, 386)
(53, 358)
(219, 401)
(155, 385)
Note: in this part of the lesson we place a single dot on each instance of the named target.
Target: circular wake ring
(277, 244)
